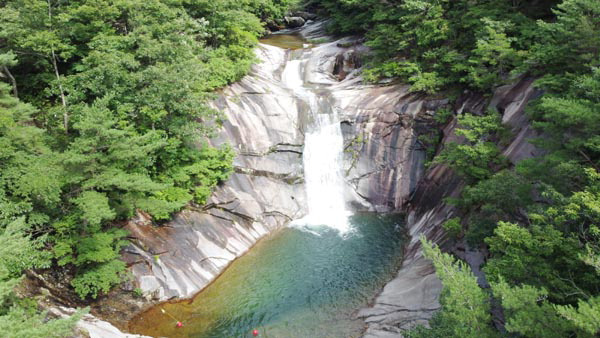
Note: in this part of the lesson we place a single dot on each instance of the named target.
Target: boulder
(305, 15)
(294, 21)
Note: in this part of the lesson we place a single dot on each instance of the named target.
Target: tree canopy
(103, 113)
(537, 218)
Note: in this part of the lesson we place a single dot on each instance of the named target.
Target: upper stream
(306, 280)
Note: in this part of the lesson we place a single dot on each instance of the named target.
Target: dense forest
(103, 112)
(539, 219)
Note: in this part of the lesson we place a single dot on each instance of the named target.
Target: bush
(100, 278)
(452, 227)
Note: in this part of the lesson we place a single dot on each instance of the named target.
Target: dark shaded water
(294, 283)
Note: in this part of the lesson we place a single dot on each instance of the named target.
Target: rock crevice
(416, 286)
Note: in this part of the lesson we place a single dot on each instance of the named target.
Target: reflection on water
(291, 41)
(293, 283)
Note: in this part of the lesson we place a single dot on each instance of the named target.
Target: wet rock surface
(411, 298)
(264, 127)
(294, 21)
(383, 165)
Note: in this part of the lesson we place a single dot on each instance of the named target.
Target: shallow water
(286, 41)
(293, 283)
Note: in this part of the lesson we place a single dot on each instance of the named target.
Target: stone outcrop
(294, 21)
(384, 158)
(91, 327)
(412, 297)
(384, 168)
(264, 127)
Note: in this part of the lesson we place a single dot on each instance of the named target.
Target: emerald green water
(293, 283)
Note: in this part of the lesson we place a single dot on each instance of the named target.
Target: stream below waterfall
(308, 279)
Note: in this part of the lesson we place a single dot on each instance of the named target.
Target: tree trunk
(60, 87)
(62, 94)
(12, 81)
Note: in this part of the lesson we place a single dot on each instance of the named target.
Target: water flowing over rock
(383, 160)
(267, 120)
(264, 126)
(323, 149)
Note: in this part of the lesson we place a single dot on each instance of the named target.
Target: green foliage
(452, 227)
(493, 55)
(117, 116)
(465, 307)
(542, 257)
(99, 278)
(94, 207)
(439, 44)
(572, 119)
(20, 317)
(443, 116)
(585, 318)
(567, 46)
(504, 196)
(527, 311)
(22, 323)
(477, 158)
(137, 292)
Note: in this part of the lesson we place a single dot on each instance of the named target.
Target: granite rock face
(383, 165)
(264, 127)
(91, 327)
(383, 160)
(411, 298)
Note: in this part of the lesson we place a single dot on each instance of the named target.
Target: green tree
(493, 56)
(465, 306)
(504, 196)
(569, 45)
(585, 317)
(528, 312)
(19, 317)
(477, 157)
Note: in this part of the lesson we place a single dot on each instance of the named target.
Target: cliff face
(413, 296)
(383, 164)
(264, 127)
(384, 158)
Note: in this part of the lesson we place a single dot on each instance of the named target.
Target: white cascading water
(322, 157)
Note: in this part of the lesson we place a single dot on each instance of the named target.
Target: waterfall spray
(322, 157)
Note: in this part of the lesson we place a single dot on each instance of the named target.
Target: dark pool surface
(293, 283)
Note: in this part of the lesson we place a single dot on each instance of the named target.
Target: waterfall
(322, 156)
